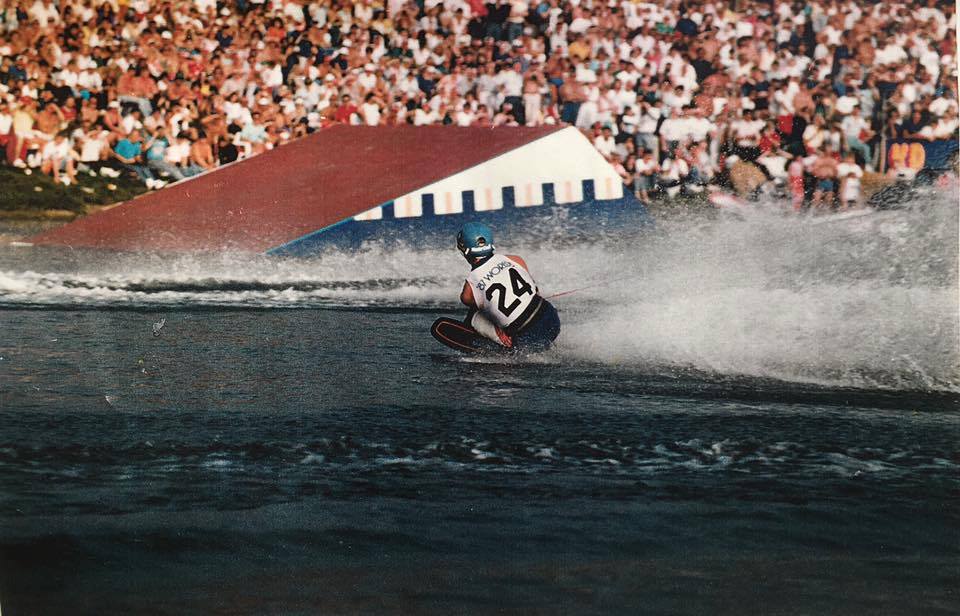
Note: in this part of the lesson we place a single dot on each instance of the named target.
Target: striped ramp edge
(490, 199)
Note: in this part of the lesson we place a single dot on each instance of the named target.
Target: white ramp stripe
(488, 199)
(408, 206)
(448, 203)
(373, 214)
(568, 191)
(608, 188)
(528, 194)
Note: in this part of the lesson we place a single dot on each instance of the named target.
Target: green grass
(19, 192)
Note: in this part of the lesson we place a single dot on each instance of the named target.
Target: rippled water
(755, 415)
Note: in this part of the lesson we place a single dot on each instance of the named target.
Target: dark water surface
(770, 439)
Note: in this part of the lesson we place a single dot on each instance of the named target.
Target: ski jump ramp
(349, 184)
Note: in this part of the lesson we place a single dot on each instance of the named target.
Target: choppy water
(747, 415)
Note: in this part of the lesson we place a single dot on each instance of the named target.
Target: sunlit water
(755, 414)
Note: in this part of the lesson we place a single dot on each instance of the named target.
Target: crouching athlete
(505, 303)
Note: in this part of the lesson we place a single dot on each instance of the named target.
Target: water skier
(505, 304)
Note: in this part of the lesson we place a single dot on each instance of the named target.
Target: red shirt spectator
(345, 111)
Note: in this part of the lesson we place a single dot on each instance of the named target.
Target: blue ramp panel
(590, 218)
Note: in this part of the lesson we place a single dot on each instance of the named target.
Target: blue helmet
(475, 241)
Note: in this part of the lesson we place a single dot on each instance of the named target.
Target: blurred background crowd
(675, 93)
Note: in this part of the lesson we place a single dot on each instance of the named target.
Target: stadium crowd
(674, 93)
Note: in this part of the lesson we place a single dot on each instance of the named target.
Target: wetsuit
(507, 299)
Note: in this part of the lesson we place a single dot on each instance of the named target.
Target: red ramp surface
(296, 189)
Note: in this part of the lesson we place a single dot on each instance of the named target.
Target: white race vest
(502, 289)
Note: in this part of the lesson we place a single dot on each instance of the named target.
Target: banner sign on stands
(922, 154)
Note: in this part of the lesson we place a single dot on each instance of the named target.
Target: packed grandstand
(675, 95)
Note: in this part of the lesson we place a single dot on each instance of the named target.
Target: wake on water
(865, 301)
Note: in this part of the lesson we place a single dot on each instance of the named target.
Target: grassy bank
(36, 196)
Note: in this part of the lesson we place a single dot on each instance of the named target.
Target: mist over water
(862, 300)
(867, 301)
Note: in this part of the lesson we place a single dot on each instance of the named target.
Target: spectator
(6, 125)
(913, 126)
(94, 149)
(824, 170)
(795, 176)
(746, 135)
(647, 128)
(156, 150)
(673, 173)
(128, 153)
(604, 142)
(22, 122)
(774, 163)
(370, 110)
(645, 173)
(849, 173)
(812, 69)
(58, 156)
(815, 136)
(227, 151)
(347, 112)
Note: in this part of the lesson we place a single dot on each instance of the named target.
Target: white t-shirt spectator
(177, 152)
(512, 82)
(785, 96)
(93, 145)
(424, 117)
(56, 151)
(89, 80)
(630, 121)
(939, 106)
(814, 136)
(674, 169)
(464, 117)
(700, 128)
(584, 74)
(632, 73)
(845, 104)
(775, 163)
(580, 25)
(371, 113)
(408, 85)
(893, 53)
(623, 98)
(69, 77)
(676, 101)
(767, 57)
(273, 76)
(44, 12)
(821, 51)
(844, 169)
(605, 145)
(910, 91)
(943, 129)
(129, 123)
(368, 79)
(648, 121)
(747, 132)
(646, 166)
(6, 120)
(852, 126)
(850, 187)
(674, 129)
(294, 10)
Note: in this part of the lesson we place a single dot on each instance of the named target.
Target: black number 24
(520, 287)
